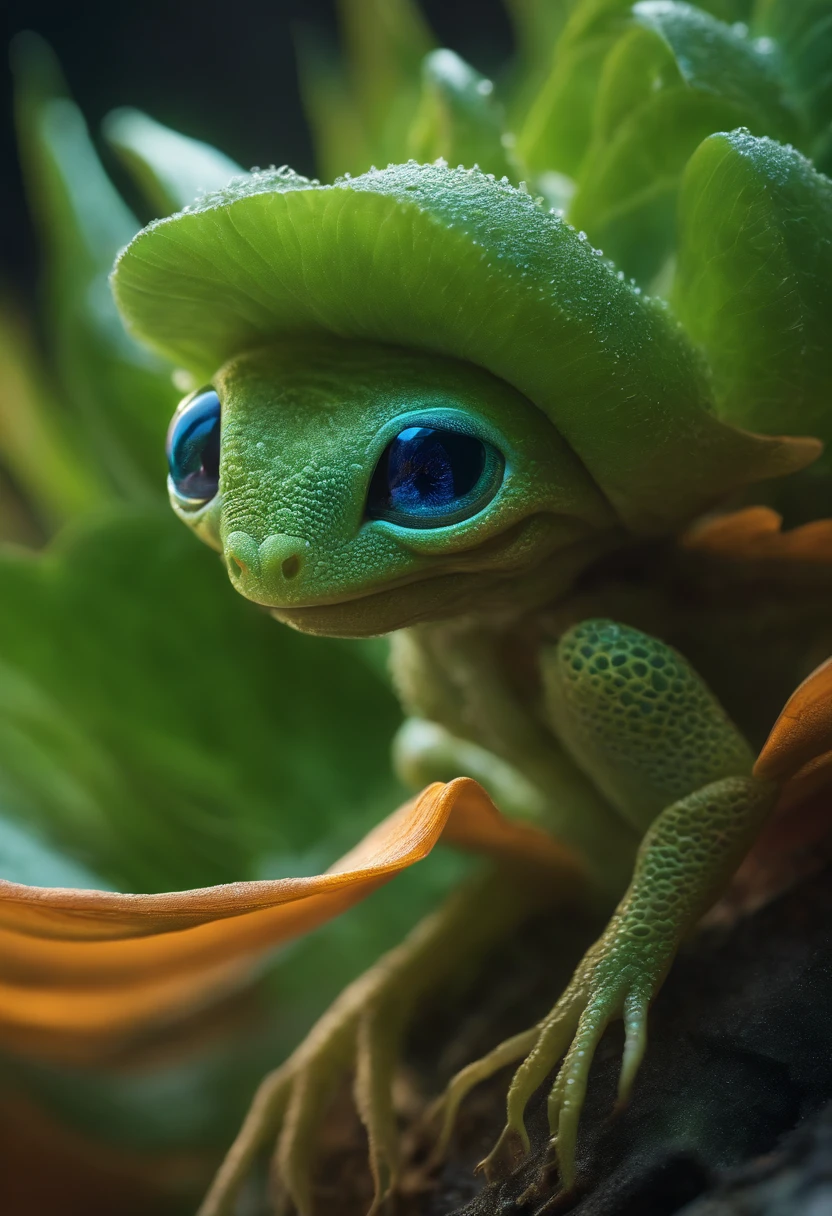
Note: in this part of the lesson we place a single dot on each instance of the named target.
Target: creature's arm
(638, 719)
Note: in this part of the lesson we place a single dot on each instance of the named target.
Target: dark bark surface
(731, 1114)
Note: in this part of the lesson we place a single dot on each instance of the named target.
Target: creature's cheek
(204, 521)
(516, 508)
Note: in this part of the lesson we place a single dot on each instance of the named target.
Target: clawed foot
(359, 1033)
(604, 987)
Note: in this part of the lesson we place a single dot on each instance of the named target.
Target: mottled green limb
(684, 863)
(638, 719)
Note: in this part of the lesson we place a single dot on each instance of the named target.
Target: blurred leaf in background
(360, 102)
(118, 396)
(156, 731)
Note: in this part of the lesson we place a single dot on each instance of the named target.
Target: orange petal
(803, 732)
(94, 963)
(754, 534)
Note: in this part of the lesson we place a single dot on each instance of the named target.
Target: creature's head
(424, 394)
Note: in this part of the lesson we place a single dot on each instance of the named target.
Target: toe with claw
(609, 983)
(361, 1033)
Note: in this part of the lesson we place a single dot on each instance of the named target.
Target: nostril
(282, 558)
(243, 551)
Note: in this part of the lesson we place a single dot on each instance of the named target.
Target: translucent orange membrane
(78, 964)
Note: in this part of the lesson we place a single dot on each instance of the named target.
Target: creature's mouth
(351, 597)
(383, 611)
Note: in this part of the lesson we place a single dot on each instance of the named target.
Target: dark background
(219, 70)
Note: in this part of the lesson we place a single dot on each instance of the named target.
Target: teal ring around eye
(395, 477)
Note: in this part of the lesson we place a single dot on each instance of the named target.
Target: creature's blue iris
(429, 478)
(193, 447)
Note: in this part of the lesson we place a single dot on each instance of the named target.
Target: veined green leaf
(162, 730)
(170, 168)
(754, 281)
(118, 394)
(674, 76)
(397, 256)
(459, 118)
(558, 126)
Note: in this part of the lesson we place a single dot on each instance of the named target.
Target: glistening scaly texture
(639, 719)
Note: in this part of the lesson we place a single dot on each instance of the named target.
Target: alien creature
(426, 406)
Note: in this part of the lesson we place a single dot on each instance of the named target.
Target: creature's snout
(262, 572)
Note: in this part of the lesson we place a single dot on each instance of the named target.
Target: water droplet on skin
(485, 87)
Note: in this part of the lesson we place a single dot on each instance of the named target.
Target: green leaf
(754, 281)
(342, 144)
(156, 727)
(397, 256)
(558, 126)
(159, 728)
(803, 31)
(459, 118)
(675, 76)
(170, 168)
(25, 858)
(361, 104)
(37, 448)
(537, 25)
(385, 42)
(118, 395)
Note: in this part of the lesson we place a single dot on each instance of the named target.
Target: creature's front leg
(361, 1033)
(636, 717)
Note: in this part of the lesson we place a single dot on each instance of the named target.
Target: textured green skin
(626, 742)
(328, 317)
(610, 749)
(300, 494)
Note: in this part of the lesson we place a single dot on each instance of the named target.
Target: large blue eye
(429, 478)
(193, 447)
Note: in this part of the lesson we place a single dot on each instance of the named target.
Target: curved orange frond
(94, 963)
(755, 534)
(802, 735)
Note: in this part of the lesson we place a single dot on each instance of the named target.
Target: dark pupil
(425, 471)
(194, 448)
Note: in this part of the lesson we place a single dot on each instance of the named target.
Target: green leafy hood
(452, 261)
